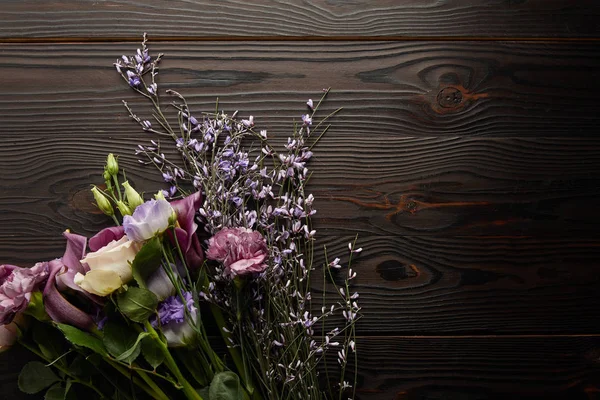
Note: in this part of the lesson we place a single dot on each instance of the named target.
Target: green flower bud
(123, 208)
(102, 202)
(133, 198)
(112, 166)
(160, 195)
(106, 175)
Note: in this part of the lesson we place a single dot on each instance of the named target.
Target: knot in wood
(449, 97)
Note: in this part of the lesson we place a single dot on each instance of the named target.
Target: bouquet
(201, 291)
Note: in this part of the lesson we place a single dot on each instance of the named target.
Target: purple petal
(74, 252)
(58, 308)
(186, 235)
(105, 236)
(6, 269)
(147, 219)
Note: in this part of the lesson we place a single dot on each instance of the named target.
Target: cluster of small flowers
(258, 189)
(133, 68)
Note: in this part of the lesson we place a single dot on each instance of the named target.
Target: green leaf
(83, 339)
(146, 261)
(137, 303)
(193, 363)
(121, 341)
(36, 308)
(35, 377)
(204, 393)
(50, 341)
(83, 367)
(131, 354)
(225, 386)
(56, 392)
(152, 352)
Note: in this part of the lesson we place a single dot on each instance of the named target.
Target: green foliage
(152, 352)
(56, 392)
(50, 341)
(82, 339)
(35, 377)
(36, 308)
(146, 261)
(137, 303)
(226, 386)
(122, 342)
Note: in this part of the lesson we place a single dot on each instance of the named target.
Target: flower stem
(152, 385)
(189, 391)
(62, 369)
(157, 396)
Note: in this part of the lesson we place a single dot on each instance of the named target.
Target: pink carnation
(16, 285)
(241, 250)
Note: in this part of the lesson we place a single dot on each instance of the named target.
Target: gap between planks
(488, 336)
(74, 40)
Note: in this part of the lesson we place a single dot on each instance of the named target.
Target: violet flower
(148, 219)
(59, 308)
(172, 322)
(104, 237)
(242, 251)
(186, 230)
(61, 276)
(16, 286)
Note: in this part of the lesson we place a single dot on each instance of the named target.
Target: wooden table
(467, 157)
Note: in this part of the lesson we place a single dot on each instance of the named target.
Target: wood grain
(363, 184)
(386, 88)
(314, 18)
(433, 285)
(449, 368)
(470, 285)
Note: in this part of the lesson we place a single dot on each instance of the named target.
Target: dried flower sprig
(268, 317)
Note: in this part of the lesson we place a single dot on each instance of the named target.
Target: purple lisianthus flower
(74, 252)
(171, 320)
(148, 219)
(61, 277)
(59, 308)
(185, 230)
(105, 236)
(242, 251)
(16, 286)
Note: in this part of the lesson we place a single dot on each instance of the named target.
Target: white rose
(109, 267)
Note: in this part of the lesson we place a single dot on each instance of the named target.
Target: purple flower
(16, 285)
(242, 251)
(171, 319)
(61, 277)
(306, 119)
(134, 80)
(104, 237)
(59, 308)
(148, 219)
(186, 230)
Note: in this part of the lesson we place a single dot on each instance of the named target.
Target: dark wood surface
(466, 157)
(179, 19)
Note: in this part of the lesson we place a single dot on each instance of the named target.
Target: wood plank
(314, 18)
(479, 368)
(471, 285)
(433, 285)
(450, 368)
(387, 89)
(373, 185)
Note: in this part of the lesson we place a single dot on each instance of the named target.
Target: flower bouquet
(202, 291)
